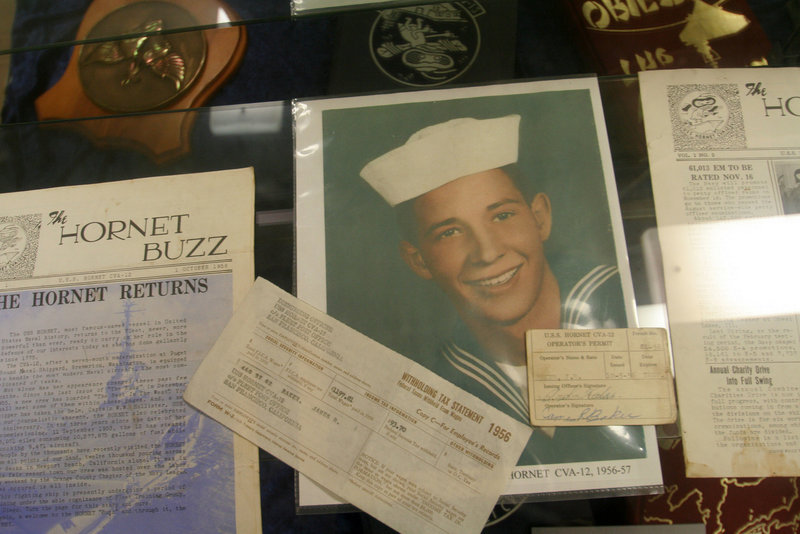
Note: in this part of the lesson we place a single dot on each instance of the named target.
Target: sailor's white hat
(438, 154)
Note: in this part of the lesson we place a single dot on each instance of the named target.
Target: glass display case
(58, 129)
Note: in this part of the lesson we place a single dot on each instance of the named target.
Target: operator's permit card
(619, 376)
(370, 425)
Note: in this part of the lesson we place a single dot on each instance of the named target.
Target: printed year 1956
(499, 432)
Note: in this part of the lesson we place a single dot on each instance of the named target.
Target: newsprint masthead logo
(706, 116)
(19, 245)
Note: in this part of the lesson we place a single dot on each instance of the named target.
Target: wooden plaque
(163, 136)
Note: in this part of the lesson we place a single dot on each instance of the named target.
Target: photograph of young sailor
(469, 225)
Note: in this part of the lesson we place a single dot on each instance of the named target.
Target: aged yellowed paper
(372, 426)
(724, 149)
(616, 376)
(110, 296)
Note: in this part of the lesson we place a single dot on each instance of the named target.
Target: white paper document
(110, 295)
(724, 149)
(611, 376)
(372, 426)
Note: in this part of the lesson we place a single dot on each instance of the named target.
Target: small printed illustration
(19, 243)
(788, 177)
(706, 117)
(426, 45)
(704, 113)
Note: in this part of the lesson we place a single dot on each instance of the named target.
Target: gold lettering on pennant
(599, 13)
(647, 60)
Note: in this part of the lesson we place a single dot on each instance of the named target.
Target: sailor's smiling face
(482, 243)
